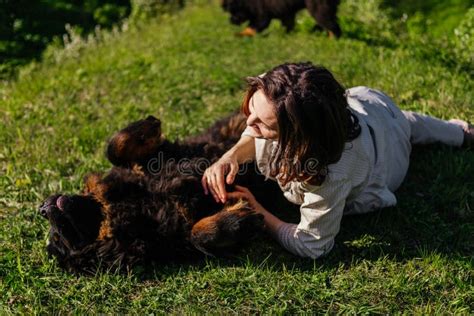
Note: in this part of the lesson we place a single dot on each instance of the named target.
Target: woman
(332, 151)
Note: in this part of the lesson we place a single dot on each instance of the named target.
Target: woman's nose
(251, 119)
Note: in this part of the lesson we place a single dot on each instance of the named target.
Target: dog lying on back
(259, 14)
(134, 215)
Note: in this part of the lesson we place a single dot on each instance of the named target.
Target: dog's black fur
(131, 215)
(259, 13)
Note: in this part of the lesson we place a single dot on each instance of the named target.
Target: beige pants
(427, 130)
(394, 131)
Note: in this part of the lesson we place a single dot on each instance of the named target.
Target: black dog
(259, 14)
(137, 213)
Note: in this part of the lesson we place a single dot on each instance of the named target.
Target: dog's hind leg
(234, 224)
(247, 32)
(261, 24)
(255, 26)
(288, 22)
(324, 12)
(317, 28)
(135, 143)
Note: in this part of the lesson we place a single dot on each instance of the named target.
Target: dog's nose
(44, 209)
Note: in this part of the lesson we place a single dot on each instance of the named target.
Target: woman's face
(262, 118)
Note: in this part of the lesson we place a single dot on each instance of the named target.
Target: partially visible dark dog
(133, 214)
(259, 14)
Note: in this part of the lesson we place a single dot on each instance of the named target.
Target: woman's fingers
(207, 185)
(236, 195)
(240, 192)
(232, 172)
(220, 185)
(204, 184)
(214, 179)
(212, 187)
(242, 189)
(214, 183)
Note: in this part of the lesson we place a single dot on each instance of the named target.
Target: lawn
(187, 69)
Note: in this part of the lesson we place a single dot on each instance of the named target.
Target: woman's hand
(244, 193)
(213, 178)
(272, 223)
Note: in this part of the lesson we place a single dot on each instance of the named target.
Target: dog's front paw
(135, 143)
(241, 221)
(236, 223)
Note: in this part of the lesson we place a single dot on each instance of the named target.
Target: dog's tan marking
(248, 32)
(105, 231)
(93, 186)
(240, 205)
(138, 170)
(184, 212)
(90, 183)
(120, 141)
(206, 226)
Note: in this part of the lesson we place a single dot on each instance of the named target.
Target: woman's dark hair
(314, 121)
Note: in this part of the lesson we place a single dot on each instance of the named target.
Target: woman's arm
(213, 178)
(243, 151)
(321, 214)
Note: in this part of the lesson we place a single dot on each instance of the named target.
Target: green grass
(440, 16)
(187, 70)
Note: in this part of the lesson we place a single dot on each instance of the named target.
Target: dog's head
(121, 219)
(239, 13)
(75, 221)
(135, 142)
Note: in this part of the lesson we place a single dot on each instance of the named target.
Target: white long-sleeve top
(371, 167)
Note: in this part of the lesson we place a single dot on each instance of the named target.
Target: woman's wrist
(272, 223)
(241, 152)
(230, 155)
